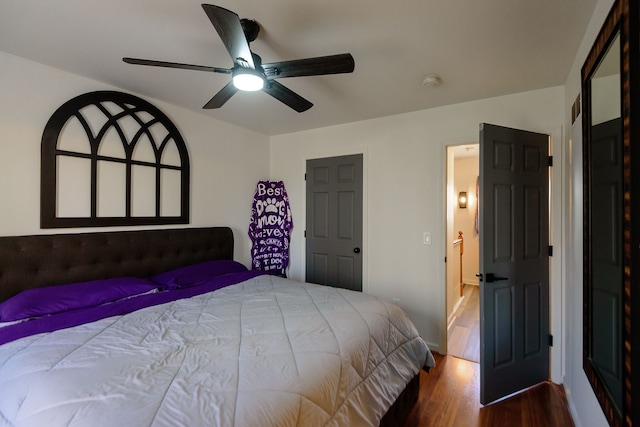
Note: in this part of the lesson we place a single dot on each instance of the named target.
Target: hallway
(464, 330)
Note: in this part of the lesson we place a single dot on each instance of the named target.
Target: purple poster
(270, 227)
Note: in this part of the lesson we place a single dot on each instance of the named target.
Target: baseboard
(435, 348)
(572, 407)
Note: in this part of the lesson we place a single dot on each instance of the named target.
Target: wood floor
(464, 330)
(450, 396)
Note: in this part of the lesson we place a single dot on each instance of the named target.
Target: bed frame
(53, 259)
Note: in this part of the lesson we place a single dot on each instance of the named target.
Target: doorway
(463, 303)
(334, 202)
(514, 257)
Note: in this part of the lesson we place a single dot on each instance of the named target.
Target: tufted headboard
(54, 259)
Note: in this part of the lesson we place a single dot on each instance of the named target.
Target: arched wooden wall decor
(112, 159)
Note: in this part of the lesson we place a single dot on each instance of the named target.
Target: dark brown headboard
(53, 259)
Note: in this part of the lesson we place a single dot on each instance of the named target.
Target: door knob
(493, 278)
(356, 250)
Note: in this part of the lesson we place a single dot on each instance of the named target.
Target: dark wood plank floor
(450, 396)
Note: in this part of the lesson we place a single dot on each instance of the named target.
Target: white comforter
(266, 352)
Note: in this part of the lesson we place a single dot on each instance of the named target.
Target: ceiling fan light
(247, 79)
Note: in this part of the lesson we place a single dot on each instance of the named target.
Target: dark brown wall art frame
(624, 22)
(145, 115)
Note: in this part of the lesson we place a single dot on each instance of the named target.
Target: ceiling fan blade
(176, 65)
(221, 97)
(229, 28)
(332, 64)
(287, 96)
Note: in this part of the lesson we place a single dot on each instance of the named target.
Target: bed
(172, 331)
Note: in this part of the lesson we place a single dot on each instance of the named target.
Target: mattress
(267, 351)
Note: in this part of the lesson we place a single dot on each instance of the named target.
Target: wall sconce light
(462, 200)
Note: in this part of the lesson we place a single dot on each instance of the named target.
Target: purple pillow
(55, 299)
(196, 274)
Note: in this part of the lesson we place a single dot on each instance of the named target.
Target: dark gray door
(334, 221)
(514, 260)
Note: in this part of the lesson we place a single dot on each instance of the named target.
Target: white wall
(226, 161)
(584, 406)
(606, 96)
(405, 166)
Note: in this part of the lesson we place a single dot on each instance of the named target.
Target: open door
(514, 260)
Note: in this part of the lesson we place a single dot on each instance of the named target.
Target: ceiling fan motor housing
(250, 28)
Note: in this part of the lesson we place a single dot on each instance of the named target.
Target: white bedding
(265, 352)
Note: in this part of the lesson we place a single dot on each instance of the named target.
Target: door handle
(493, 278)
(356, 250)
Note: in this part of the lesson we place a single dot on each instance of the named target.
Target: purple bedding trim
(78, 317)
(57, 299)
(193, 275)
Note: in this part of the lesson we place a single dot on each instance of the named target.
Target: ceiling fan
(248, 72)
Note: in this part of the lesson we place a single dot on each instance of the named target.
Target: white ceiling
(480, 48)
(466, 150)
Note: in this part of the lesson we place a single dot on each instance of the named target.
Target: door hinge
(305, 233)
(445, 259)
(550, 161)
(550, 340)
(550, 250)
(305, 176)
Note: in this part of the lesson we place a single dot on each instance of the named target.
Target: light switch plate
(426, 238)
